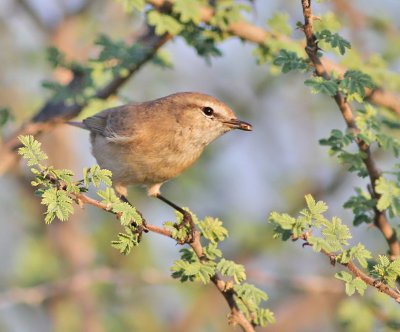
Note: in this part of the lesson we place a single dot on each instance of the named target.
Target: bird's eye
(208, 111)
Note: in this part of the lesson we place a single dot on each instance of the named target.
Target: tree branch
(236, 316)
(381, 221)
(54, 113)
(358, 273)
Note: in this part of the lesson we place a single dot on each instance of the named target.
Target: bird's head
(204, 114)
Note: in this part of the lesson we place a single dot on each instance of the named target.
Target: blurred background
(66, 277)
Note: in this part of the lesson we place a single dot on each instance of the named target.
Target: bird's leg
(187, 217)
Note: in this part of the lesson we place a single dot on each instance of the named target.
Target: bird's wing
(114, 124)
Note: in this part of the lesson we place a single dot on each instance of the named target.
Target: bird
(151, 142)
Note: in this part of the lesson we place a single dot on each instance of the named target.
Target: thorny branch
(236, 316)
(380, 220)
(358, 273)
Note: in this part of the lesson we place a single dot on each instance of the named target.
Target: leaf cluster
(192, 268)
(352, 86)
(332, 239)
(79, 89)
(334, 40)
(339, 143)
(288, 61)
(59, 190)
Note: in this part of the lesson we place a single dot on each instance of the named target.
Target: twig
(380, 220)
(358, 273)
(236, 316)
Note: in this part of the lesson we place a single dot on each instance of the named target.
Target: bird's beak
(238, 124)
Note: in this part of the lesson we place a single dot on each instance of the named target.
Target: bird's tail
(77, 124)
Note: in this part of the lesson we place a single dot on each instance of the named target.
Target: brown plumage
(151, 142)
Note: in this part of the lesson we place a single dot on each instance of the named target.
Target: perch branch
(236, 316)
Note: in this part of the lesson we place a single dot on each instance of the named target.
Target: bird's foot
(187, 222)
(139, 229)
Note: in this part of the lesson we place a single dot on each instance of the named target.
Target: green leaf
(334, 39)
(343, 275)
(180, 234)
(357, 252)
(336, 234)
(355, 161)
(390, 195)
(31, 151)
(359, 285)
(231, 269)
(96, 175)
(109, 196)
(65, 178)
(204, 45)
(316, 208)
(386, 270)
(126, 241)
(362, 206)
(320, 85)
(337, 141)
(354, 84)
(188, 255)
(128, 213)
(55, 57)
(119, 57)
(59, 204)
(250, 294)
(264, 316)
(289, 61)
(164, 23)
(361, 254)
(212, 252)
(284, 220)
(184, 271)
(212, 229)
(368, 124)
(189, 10)
(351, 285)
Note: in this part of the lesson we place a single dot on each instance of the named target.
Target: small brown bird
(151, 142)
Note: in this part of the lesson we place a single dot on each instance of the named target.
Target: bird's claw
(187, 221)
(140, 229)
